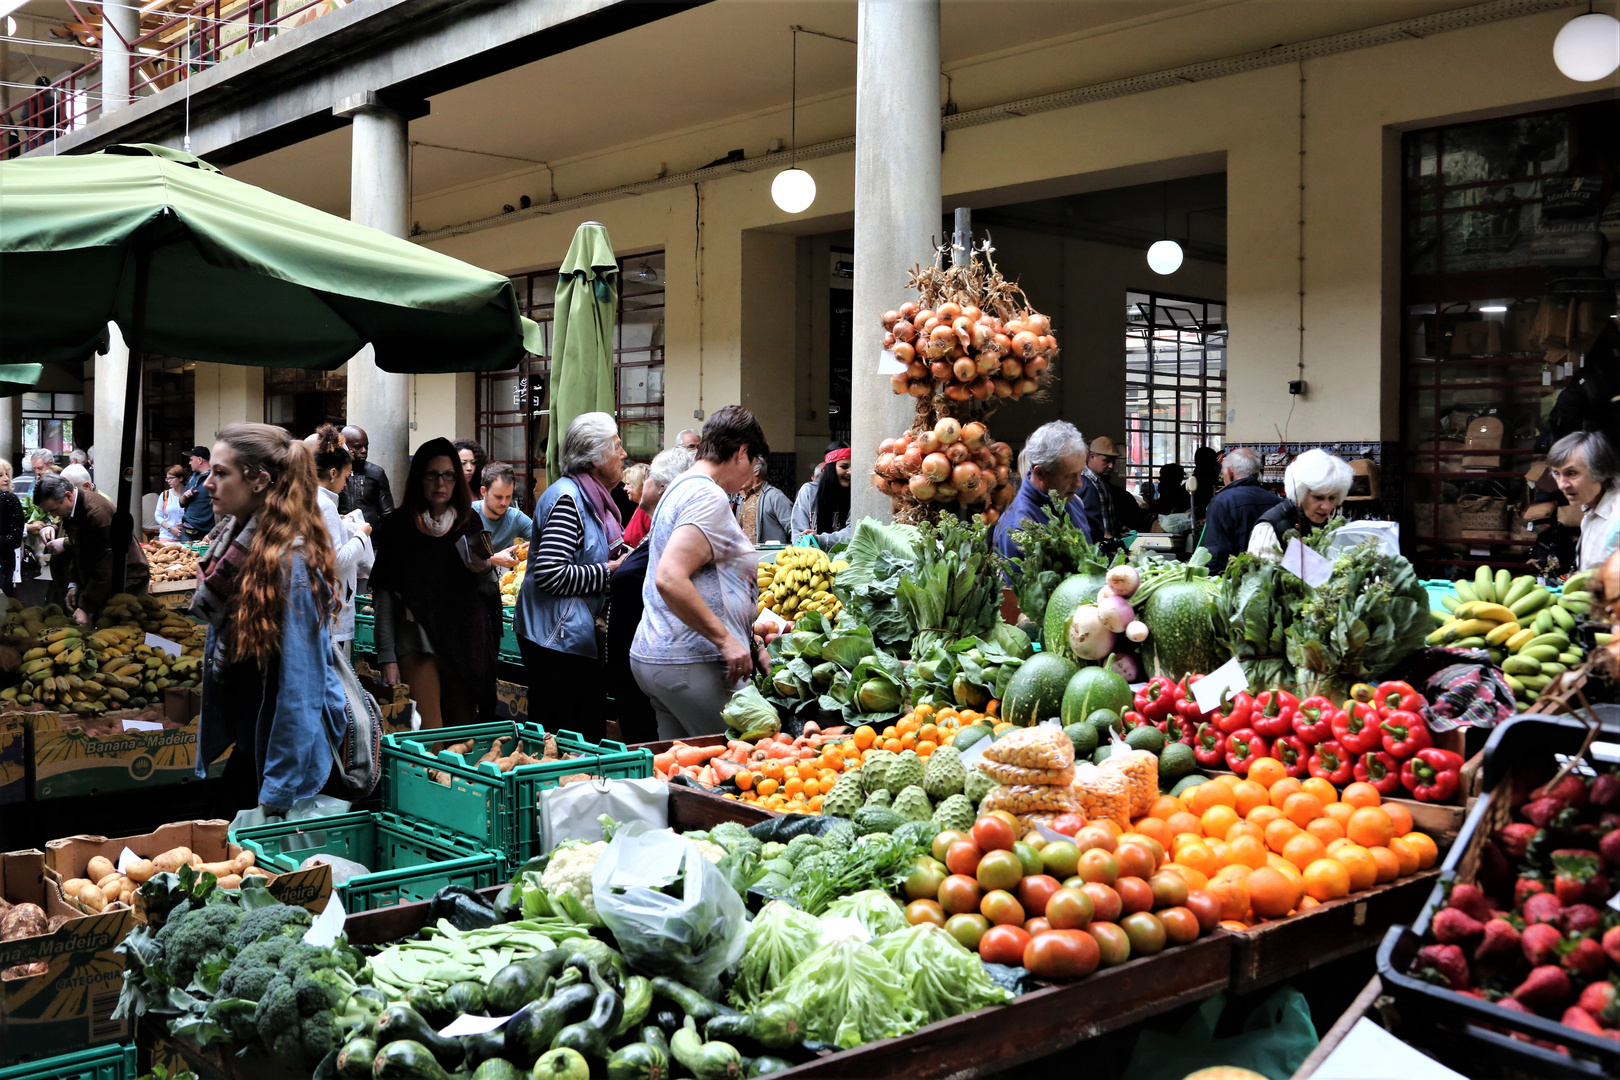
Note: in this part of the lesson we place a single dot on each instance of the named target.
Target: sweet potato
(231, 881)
(99, 868)
(23, 920)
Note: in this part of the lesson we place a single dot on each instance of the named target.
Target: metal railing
(186, 42)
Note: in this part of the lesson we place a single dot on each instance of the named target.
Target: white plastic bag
(693, 937)
(316, 806)
(1386, 533)
(570, 812)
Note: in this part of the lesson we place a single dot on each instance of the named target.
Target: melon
(1035, 692)
(1093, 688)
(1180, 617)
(1074, 591)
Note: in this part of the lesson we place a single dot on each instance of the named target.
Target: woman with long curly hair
(438, 606)
(265, 589)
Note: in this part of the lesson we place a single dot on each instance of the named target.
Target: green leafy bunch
(955, 590)
(1364, 620)
(1052, 550)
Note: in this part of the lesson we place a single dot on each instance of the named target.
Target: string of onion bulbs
(947, 465)
(963, 352)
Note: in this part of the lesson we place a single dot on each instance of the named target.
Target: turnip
(1124, 580)
(1125, 665)
(1089, 639)
(1116, 613)
(1137, 630)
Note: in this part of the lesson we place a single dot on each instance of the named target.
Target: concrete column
(11, 429)
(379, 196)
(122, 26)
(897, 208)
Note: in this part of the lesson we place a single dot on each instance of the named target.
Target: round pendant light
(1164, 257)
(1588, 47)
(793, 190)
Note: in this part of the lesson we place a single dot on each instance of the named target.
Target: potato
(140, 871)
(91, 897)
(111, 890)
(231, 881)
(104, 878)
(127, 898)
(72, 885)
(99, 868)
(172, 860)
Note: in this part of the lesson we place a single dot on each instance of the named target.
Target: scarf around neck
(220, 573)
(440, 525)
(607, 512)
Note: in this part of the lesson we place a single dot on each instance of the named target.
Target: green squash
(1093, 688)
(1035, 692)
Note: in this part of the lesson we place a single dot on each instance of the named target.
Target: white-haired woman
(1316, 484)
(1585, 468)
(578, 543)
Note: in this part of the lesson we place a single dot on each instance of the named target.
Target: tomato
(1142, 840)
(963, 857)
(942, 842)
(1169, 890)
(1010, 818)
(991, 833)
(1136, 860)
(1098, 865)
(1073, 882)
(967, 928)
(1060, 858)
(1037, 925)
(1113, 946)
(1146, 932)
(1134, 894)
(1034, 892)
(1029, 858)
(1069, 909)
(1206, 908)
(1033, 839)
(1094, 836)
(1003, 945)
(1062, 954)
(999, 870)
(959, 893)
(1002, 908)
(1105, 902)
(921, 911)
(924, 880)
(1180, 925)
(1068, 824)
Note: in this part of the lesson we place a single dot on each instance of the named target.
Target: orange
(1406, 854)
(1339, 811)
(1182, 839)
(1164, 806)
(1327, 879)
(1232, 895)
(893, 745)
(1208, 795)
(1197, 857)
(908, 741)
(1225, 778)
(1302, 808)
(793, 786)
(1263, 815)
(1370, 827)
(1389, 864)
(1360, 794)
(1428, 852)
(1217, 819)
(926, 747)
(1233, 924)
(1247, 851)
(1361, 865)
(1108, 823)
(1245, 828)
(1308, 902)
(890, 732)
(1156, 829)
(864, 736)
(1319, 787)
(1271, 894)
(1325, 829)
(1399, 816)
(1193, 878)
(1335, 845)
(1266, 771)
(768, 786)
(1283, 788)
(1249, 795)
(1183, 822)
(1303, 850)
(1279, 832)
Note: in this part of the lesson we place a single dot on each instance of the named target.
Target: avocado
(1105, 750)
(1104, 719)
(1084, 738)
(1175, 762)
(1192, 779)
(1147, 738)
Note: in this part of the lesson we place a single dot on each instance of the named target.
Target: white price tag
(143, 725)
(1305, 564)
(1614, 901)
(889, 364)
(328, 924)
(170, 647)
(1218, 685)
(471, 1025)
(1050, 835)
(126, 857)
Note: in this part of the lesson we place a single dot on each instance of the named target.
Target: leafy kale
(1368, 617)
(955, 591)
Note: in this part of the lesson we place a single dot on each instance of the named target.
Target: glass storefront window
(1175, 383)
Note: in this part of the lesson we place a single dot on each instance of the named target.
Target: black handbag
(1572, 196)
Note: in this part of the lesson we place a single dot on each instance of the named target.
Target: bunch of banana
(32, 624)
(800, 580)
(60, 672)
(1526, 629)
(136, 673)
(146, 614)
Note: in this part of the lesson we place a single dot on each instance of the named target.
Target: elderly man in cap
(1097, 496)
(199, 512)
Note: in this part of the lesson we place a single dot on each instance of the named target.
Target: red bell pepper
(1405, 733)
(1273, 714)
(1332, 763)
(1393, 696)
(1293, 752)
(1157, 699)
(1232, 714)
(1133, 720)
(1313, 720)
(1432, 774)
(1209, 746)
(1358, 728)
(1379, 769)
(1180, 729)
(1187, 705)
(1242, 747)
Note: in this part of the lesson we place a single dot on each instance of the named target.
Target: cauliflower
(569, 873)
(711, 850)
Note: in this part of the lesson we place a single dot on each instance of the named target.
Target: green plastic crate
(365, 637)
(499, 809)
(115, 1062)
(410, 859)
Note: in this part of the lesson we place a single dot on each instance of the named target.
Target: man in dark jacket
(87, 522)
(367, 490)
(1234, 510)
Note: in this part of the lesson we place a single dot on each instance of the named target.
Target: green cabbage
(847, 994)
(778, 941)
(943, 978)
(878, 556)
(750, 715)
(874, 909)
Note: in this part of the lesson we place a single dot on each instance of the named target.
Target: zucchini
(705, 1060)
(466, 998)
(692, 1003)
(638, 1061)
(481, 1048)
(653, 1036)
(498, 1069)
(430, 1005)
(775, 1026)
(608, 960)
(354, 1060)
(590, 1036)
(765, 1065)
(562, 1064)
(531, 1029)
(403, 1022)
(406, 1059)
(637, 1000)
(517, 984)
(668, 1020)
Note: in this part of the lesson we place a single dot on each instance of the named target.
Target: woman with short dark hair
(1585, 468)
(472, 459)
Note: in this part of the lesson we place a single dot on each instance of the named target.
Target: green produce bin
(496, 809)
(115, 1062)
(410, 859)
(365, 636)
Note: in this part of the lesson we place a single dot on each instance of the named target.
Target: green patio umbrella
(582, 335)
(19, 378)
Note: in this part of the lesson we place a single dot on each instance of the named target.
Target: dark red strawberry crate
(1520, 756)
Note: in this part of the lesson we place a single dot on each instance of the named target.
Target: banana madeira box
(68, 1005)
(13, 761)
(69, 756)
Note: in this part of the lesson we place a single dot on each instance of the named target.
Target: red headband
(836, 455)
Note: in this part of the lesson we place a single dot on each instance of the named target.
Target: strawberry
(1611, 944)
(1571, 791)
(1546, 987)
(1605, 792)
(1581, 1020)
(1468, 899)
(1581, 919)
(1540, 812)
(1453, 926)
(1544, 907)
(1494, 874)
(1445, 965)
(1501, 940)
(1599, 999)
(1525, 888)
(1574, 871)
(1514, 839)
(1584, 958)
(1513, 1005)
(1609, 847)
(1540, 943)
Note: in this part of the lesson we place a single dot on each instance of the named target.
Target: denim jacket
(299, 711)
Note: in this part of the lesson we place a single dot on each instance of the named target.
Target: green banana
(1450, 603)
(1555, 637)
(1532, 601)
(1485, 584)
(1503, 582)
(1519, 589)
(1465, 591)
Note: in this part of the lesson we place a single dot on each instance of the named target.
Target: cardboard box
(511, 701)
(13, 761)
(70, 1006)
(70, 856)
(64, 760)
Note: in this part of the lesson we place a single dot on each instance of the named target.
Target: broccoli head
(311, 1006)
(191, 936)
(277, 920)
(250, 973)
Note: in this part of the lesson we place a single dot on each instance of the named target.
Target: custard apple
(913, 805)
(905, 770)
(955, 812)
(873, 767)
(878, 798)
(845, 797)
(945, 773)
(976, 786)
(875, 819)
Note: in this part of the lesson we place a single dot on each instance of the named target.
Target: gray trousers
(686, 698)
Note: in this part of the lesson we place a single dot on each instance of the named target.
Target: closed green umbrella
(582, 335)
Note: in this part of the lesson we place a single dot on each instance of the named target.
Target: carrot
(724, 770)
(706, 776)
(812, 728)
(697, 755)
(664, 762)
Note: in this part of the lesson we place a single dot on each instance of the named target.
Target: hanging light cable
(1588, 47)
(1164, 257)
(794, 190)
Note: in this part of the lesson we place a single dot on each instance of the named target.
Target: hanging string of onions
(950, 466)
